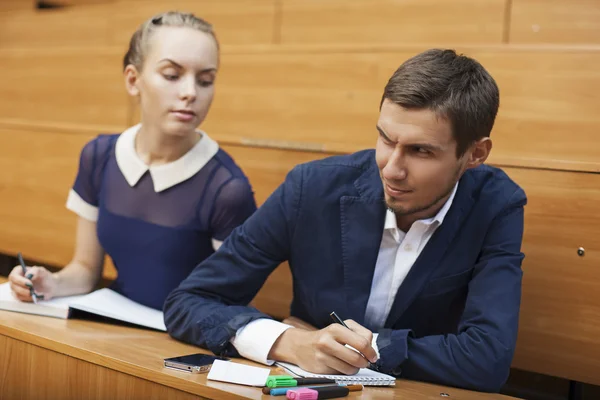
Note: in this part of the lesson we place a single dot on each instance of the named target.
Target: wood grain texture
(560, 311)
(72, 86)
(328, 100)
(17, 5)
(87, 25)
(32, 372)
(392, 21)
(234, 21)
(555, 21)
(38, 169)
(131, 359)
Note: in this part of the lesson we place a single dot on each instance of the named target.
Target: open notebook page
(58, 307)
(364, 376)
(111, 304)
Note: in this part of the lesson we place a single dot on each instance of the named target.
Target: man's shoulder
(493, 185)
(334, 176)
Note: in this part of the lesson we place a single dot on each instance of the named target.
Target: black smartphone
(194, 363)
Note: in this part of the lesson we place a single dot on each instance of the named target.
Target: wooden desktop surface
(48, 358)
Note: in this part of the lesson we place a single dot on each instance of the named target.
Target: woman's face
(176, 83)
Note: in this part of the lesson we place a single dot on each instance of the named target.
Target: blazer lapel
(432, 255)
(362, 221)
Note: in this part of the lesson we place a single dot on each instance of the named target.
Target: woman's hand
(42, 281)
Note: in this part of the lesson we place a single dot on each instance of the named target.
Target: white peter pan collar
(166, 175)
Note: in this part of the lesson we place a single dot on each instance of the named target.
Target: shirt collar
(390, 217)
(166, 175)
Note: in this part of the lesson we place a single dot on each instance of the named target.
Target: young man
(417, 244)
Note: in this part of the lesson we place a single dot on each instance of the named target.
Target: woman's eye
(205, 83)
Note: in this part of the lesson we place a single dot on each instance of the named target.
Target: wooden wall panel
(16, 5)
(328, 100)
(37, 171)
(68, 86)
(560, 310)
(317, 101)
(88, 25)
(81, 2)
(324, 99)
(392, 21)
(555, 21)
(235, 21)
(548, 107)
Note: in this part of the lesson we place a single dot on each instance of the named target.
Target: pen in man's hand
(338, 320)
(22, 262)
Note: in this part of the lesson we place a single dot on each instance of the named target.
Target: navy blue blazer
(454, 319)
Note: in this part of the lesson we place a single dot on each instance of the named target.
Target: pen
(22, 262)
(338, 320)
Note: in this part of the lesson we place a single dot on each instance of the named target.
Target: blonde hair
(138, 45)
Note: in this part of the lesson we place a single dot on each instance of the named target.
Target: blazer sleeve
(211, 304)
(480, 354)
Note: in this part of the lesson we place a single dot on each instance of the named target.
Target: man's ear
(132, 78)
(479, 152)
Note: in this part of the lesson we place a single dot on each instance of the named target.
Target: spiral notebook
(364, 376)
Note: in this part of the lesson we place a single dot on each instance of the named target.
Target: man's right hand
(324, 351)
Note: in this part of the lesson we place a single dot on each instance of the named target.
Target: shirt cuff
(254, 340)
(82, 208)
(374, 344)
(216, 244)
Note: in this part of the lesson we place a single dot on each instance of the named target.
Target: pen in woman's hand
(31, 291)
(338, 320)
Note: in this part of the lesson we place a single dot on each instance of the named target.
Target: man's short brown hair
(456, 87)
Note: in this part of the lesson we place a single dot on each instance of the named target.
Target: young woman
(160, 197)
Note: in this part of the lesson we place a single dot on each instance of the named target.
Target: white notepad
(364, 376)
(232, 372)
(104, 302)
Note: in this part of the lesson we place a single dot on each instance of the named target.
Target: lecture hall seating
(301, 80)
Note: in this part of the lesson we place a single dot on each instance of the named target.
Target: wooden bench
(392, 21)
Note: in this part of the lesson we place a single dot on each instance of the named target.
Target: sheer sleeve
(234, 203)
(83, 196)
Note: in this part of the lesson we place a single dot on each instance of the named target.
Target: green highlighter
(275, 381)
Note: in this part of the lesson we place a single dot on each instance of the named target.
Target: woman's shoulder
(102, 143)
(226, 161)
(98, 149)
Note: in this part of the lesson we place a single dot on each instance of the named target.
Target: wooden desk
(48, 358)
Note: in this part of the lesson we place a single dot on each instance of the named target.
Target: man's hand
(324, 351)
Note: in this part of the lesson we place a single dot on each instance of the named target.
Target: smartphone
(194, 363)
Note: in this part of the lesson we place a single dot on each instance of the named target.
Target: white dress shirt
(397, 254)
